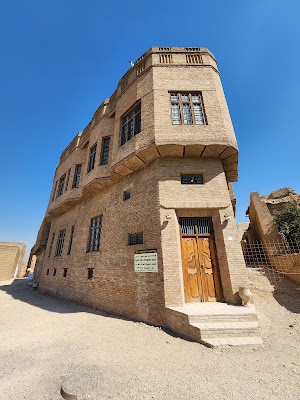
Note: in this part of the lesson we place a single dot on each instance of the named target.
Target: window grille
(187, 109)
(126, 195)
(92, 158)
(60, 242)
(61, 185)
(104, 151)
(71, 241)
(187, 179)
(193, 226)
(135, 238)
(51, 244)
(95, 234)
(131, 124)
(77, 174)
(90, 273)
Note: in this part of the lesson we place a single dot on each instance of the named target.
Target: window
(187, 109)
(131, 124)
(104, 151)
(68, 178)
(60, 242)
(48, 270)
(90, 273)
(65, 272)
(135, 238)
(51, 244)
(54, 191)
(54, 272)
(126, 195)
(71, 241)
(77, 174)
(95, 234)
(92, 158)
(61, 185)
(191, 179)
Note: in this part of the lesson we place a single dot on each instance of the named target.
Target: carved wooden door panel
(200, 271)
(191, 270)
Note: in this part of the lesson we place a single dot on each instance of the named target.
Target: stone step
(230, 329)
(223, 318)
(254, 341)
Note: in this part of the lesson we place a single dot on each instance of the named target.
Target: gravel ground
(46, 341)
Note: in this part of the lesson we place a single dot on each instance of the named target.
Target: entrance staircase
(218, 324)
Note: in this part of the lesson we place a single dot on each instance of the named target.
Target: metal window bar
(187, 179)
(51, 244)
(193, 225)
(77, 174)
(95, 234)
(135, 238)
(60, 242)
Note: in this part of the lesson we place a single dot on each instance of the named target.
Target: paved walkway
(47, 343)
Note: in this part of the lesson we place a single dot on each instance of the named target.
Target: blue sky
(61, 58)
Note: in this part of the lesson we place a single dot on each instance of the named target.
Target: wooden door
(200, 271)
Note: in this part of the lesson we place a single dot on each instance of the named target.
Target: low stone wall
(289, 264)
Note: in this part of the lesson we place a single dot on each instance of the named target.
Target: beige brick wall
(149, 165)
(11, 256)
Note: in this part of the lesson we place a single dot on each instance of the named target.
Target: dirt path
(44, 340)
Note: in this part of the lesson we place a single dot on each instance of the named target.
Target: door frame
(207, 232)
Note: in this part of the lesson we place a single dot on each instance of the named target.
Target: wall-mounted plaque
(145, 262)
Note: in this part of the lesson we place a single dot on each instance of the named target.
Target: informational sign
(145, 262)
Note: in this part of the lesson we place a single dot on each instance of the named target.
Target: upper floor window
(95, 234)
(187, 109)
(131, 124)
(188, 179)
(92, 158)
(61, 185)
(104, 151)
(54, 191)
(77, 174)
(67, 180)
(60, 242)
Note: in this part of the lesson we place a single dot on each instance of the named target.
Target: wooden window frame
(61, 185)
(105, 147)
(77, 176)
(191, 103)
(92, 158)
(137, 121)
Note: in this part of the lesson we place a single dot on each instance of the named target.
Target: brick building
(140, 220)
(11, 260)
